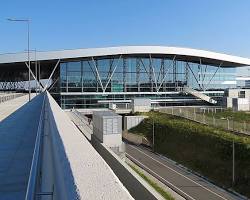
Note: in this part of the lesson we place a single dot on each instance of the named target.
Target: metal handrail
(83, 119)
(9, 96)
(32, 183)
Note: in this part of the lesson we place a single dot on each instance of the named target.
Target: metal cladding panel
(190, 55)
(107, 123)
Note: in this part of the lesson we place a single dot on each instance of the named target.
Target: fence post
(172, 110)
(233, 168)
(204, 118)
(194, 115)
(245, 128)
(227, 124)
(213, 121)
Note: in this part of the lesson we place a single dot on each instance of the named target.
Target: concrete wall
(137, 187)
(132, 121)
(234, 93)
(141, 105)
(241, 104)
(227, 102)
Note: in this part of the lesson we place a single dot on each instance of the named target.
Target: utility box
(141, 105)
(241, 104)
(107, 127)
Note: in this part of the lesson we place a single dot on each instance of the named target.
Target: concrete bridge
(43, 155)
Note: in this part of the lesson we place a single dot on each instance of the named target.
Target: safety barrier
(199, 115)
(36, 160)
(6, 97)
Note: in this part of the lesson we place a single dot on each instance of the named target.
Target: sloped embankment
(203, 149)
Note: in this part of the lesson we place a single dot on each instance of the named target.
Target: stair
(199, 95)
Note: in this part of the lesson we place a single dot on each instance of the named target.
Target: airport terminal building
(98, 77)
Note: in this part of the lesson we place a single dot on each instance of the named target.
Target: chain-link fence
(200, 115)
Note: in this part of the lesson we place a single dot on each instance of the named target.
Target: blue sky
(217, 25)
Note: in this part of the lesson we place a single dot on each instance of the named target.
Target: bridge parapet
(70, 167)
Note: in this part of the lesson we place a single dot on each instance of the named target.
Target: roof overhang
(184, 54)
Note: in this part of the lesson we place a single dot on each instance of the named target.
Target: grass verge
(239, 116)
(161, 191)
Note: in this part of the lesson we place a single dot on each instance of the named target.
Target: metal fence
(9, 96)
(200, 115)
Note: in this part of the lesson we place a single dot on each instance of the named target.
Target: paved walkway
(8, 107)
(18, 126)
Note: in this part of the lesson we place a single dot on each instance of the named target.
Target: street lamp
(28, 34)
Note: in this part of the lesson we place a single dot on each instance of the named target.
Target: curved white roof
(186, 54)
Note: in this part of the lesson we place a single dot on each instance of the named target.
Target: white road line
(179, 173)
(176, 188)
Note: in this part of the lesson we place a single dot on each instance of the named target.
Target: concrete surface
(137, 186)
(157, 181)
(8, 107)
(17, 139)
(184, 182)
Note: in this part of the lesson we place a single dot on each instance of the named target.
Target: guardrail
(83, 119)
(35, 166)
(7, 97)
(199, 115)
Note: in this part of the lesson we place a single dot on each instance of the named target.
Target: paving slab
(18, 126)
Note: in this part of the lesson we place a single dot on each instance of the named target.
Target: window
(241, 94)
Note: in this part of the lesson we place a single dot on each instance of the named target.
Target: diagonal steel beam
(214, 74)
(193, 75)
(53, 71)
(112, 73)
(97, 73)
(165, 74)
(41, 85)
(151, 64)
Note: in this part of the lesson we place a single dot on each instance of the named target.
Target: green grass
(238, 116)
(206, 150)
(163, 193)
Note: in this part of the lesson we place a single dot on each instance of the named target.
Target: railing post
(172, 110)
(213, 121)
(194, 114)
(228, 124)
(203, 118)
(245, 127)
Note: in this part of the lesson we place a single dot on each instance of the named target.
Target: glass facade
(89, 83)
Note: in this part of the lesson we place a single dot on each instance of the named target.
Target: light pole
(153, 140)
(28, 35)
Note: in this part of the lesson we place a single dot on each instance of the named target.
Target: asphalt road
(181, 181)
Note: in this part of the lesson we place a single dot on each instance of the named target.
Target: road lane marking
(164, 180)
(178, 172)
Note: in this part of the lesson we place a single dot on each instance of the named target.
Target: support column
(175, 75)
(186, 74)
(163, 72)
(138, 74)
(124, 74)
(151, 76)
